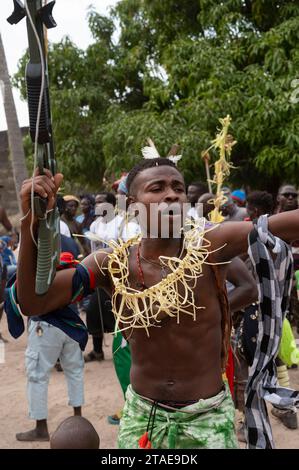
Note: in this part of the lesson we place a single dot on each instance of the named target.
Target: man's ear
(131, 200)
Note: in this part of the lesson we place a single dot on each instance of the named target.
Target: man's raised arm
(60, 291)
(234, 235)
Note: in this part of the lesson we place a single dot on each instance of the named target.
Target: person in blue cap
(239, 197)
(231, 211)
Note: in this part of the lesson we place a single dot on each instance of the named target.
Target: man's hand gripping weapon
(39, 16)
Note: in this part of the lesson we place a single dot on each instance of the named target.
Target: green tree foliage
(82, 88)
(169, 70)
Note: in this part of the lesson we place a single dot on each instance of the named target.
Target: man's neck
(152, 248)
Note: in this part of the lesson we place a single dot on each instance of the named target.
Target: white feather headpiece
(174, 158)
(151, 151)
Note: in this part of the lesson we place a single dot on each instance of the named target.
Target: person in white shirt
(108, 225)
(64, 230)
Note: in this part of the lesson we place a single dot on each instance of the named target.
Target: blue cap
(239, 194)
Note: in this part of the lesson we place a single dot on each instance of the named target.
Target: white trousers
(41, 355)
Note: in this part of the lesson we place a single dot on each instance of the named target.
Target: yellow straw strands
(224, 144)
(172, 296)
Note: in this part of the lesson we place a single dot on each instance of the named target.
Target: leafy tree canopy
(169, 70)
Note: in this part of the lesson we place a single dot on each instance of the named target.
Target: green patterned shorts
(207, 424)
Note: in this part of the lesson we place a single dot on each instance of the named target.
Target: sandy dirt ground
(103, 396)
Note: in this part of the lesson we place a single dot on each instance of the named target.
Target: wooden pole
(206, 157)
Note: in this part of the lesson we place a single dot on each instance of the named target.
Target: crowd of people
(157, 387)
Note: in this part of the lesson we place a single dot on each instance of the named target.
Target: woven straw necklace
(172, 296)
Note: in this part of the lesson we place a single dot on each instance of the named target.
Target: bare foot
(32, 435)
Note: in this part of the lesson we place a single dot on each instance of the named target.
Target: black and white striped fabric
(273, 266)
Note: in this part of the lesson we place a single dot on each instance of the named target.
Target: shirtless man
(287, 198)
(176, 391)
(232, 212)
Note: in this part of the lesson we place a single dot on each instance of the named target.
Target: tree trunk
(14, 132)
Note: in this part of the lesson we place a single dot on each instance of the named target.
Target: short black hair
(198, 184)
(110, 197)
(262, 200)
(60, 202)
(203, 187)
(144, 165)
(89, 197)
(284, 185)
(75, 432)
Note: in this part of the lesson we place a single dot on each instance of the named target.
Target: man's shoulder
(97, 262)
